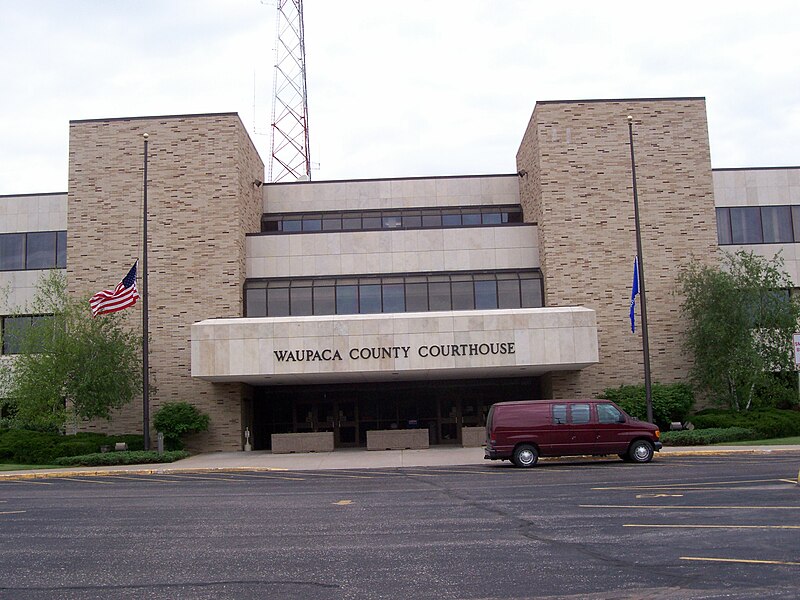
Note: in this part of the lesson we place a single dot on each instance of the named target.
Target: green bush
(37, 448)
(671, 402)
(176, 419)
(121, 458)
(766, 423)
(702, 437)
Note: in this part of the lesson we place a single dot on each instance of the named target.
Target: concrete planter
(286, 443)
(397, 439)
(473, 437)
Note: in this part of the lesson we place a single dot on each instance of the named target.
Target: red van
(524, 431)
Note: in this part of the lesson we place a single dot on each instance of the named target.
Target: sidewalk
(357, 458)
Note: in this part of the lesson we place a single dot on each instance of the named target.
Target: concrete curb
(233, 462)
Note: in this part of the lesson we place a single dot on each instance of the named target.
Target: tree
(741, 319)
(70, 365)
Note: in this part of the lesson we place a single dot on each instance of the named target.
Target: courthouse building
(346, 307)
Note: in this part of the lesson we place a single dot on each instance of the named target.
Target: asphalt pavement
(356, 458)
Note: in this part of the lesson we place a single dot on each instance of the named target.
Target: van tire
(641, 451)
(525, 456)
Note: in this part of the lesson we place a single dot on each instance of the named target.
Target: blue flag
(634, 291)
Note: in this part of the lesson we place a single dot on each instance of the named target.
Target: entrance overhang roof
(388, 347)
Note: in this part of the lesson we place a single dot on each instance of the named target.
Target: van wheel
(641, 451)
(525, 456)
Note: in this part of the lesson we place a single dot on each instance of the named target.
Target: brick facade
(201, 202)
(575, 183)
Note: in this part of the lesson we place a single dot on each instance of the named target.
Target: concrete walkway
(358, 458)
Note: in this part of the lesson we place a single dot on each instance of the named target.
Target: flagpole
(145, 324)
(648, 392)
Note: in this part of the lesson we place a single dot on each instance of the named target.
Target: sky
(395, 89)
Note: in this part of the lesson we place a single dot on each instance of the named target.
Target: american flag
(122, 296)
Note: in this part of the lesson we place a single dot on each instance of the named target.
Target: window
(40, 250)
(278, 301)
(346, 299)
(486, 294)
(302, 299)
(393, 298)
(607, 413)
(256, 302)
(410, 218)
(12, 251)
(33, 250)
(369, 298)
(393, 294)
(560, 414)
(580, 414)
(16, 328)
(758, 225)
(776, 222)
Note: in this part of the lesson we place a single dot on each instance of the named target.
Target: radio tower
(289, 133)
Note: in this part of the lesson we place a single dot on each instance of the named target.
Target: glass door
(346, 420)
(449, 421)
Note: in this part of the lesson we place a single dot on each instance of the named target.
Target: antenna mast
(289, 132)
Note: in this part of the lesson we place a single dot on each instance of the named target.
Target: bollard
(160, 443)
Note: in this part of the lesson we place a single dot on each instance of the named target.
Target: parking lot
(680, 527)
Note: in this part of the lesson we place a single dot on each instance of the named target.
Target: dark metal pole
(145, 332)
(645, 342)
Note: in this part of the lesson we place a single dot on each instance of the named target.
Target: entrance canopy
(403, 346)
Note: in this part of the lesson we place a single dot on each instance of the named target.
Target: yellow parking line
(190, 476)
(270, 477)
(714, 526)
(689, 507)
(671, 489)
(143, 478)
(11, 512)
(86, 480)
(688, 485)
(741, 560)
(28, 481)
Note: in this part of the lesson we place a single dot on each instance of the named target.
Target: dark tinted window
(724, 226)
(746, 225)
(370, 301)
(61, 250)
(302, 301)
(439, 295)
(12, 251)
(486, 294)
(416, 297)
(393, 298)
(346, 299)
(508, 293)
(776, 222)
(256, 299)
(324, 299)
(463, 295)
(40, 251)
(278, 302)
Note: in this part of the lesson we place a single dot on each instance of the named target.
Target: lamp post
(640, 264)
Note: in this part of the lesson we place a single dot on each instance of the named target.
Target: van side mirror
(621, 419)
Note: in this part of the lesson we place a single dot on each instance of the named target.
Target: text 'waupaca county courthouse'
(413, 303)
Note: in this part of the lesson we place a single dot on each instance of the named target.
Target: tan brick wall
(201, 202)
(578, 189)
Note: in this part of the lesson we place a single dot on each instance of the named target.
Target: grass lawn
(787, 441)
(12, 467)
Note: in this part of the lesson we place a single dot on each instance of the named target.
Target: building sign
(393, 352)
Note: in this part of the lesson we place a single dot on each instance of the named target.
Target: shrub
(766, 423)
(702, 437)
(121, 458)
(176, 419)
(37, 447)
(671, 402)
